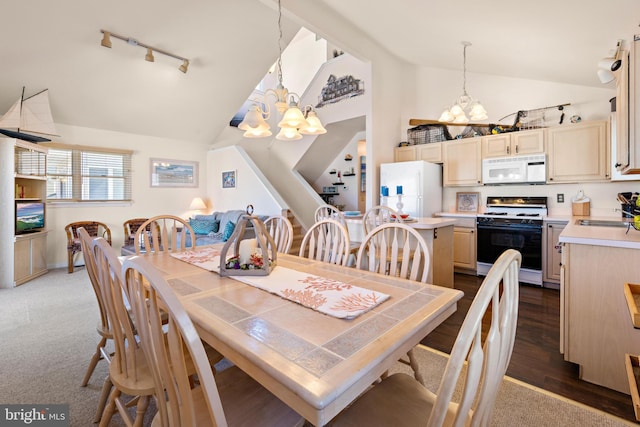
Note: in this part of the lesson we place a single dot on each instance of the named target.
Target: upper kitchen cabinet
(431, 152)
(462, 162)
(513, 143)
(627, 130)
(578, 152)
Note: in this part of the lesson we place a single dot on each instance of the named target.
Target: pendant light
(465, 103)
(294, 122)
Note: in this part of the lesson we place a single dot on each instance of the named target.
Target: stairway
(298, 233)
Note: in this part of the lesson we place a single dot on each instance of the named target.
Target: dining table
(314, 362)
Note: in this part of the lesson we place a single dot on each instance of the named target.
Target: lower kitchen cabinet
(464, 244)
(552, 261)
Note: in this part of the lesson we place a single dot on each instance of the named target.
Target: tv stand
(22, 177)
(30, 256)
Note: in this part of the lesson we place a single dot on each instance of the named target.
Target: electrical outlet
(560, 198)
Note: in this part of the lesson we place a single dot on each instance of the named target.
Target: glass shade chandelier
(295, 122)
(465, 103)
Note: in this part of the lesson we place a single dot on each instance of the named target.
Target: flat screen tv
(29, 216)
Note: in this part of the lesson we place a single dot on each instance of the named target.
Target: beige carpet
(47, 336)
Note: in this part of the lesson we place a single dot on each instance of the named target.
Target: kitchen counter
(617, 237)
(438, 235)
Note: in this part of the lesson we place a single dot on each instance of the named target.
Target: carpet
(47, 336)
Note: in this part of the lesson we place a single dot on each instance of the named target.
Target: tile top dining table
(315, 363)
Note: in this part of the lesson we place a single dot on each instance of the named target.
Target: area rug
(518, 403)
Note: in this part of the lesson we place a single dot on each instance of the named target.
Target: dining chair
(280, 228)
(170, 234)
(396, 249)
(94, 228)
(400, 400)
(103, 327)
(230, 398)
(129, 373)
(378, 215)
(327, 240)
(329, 212)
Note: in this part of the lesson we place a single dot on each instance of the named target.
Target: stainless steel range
(512, 223)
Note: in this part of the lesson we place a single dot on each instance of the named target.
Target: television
(29, 216)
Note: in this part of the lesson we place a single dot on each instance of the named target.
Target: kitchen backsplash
(603, 195)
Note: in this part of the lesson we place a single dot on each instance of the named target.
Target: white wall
(146, 202)
(251, 187)
(350, 189)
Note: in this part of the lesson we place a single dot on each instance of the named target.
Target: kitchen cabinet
(431, 152)
(513, 143)
(552, 260)
(596, 329)
(462, 162)
(578, 152)
(464, 243)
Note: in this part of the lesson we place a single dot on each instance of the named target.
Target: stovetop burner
(516, 207)
(528, 214)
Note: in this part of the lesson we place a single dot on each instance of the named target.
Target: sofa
(209, 229)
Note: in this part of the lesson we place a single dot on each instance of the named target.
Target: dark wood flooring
(536, 357)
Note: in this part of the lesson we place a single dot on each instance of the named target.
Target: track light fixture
(106, 42)
(606, 66)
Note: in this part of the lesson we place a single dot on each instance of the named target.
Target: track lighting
(106, 42)
(606, 66)
(149, 56)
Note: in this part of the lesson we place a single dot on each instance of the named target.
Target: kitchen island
(437, 233)
(598, 258)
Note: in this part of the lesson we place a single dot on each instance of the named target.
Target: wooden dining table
(315, 363)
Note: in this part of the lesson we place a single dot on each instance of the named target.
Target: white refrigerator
(421, 184)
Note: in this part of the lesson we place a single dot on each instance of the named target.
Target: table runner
(328, 296)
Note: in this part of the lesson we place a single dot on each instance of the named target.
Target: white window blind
(88, 174)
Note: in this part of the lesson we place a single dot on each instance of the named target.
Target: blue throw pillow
(228, 231)
(204, 226)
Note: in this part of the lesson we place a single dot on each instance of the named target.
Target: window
(88, 174)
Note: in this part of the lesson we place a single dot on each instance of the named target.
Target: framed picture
(229, 179)
(173, 173)
(467, 202)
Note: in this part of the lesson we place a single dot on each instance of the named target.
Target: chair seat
(140, 385)
(399, 400)
(245, 403)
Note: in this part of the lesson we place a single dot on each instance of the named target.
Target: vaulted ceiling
(231, 45)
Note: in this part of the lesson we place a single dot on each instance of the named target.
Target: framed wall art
(229, 179)
(173, 173)
(467, 202)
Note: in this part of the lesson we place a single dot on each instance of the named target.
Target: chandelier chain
(279, 62)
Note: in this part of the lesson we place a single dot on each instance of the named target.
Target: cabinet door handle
(517, 149)
(508, 149)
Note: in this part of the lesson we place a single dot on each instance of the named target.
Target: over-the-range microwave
(515, 170)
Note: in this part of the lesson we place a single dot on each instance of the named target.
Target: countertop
(423, 223)
(618, 237)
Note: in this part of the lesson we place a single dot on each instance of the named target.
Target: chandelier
(465, 103)
(295, 122)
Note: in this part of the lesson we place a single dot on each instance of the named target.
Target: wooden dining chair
(129, 373)
(168, 233)
(329, 212)
(94, 228)
(396, 249)
(103, 327)
(400, 400)
(328, 241)
(280, 228)
(378, 215)
(229, 398)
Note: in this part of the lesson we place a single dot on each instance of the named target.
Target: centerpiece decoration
(255, 256)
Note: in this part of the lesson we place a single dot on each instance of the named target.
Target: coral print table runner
(328, 296)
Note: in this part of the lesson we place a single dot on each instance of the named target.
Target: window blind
(84, 174)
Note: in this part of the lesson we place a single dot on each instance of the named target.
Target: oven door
(494, 239)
